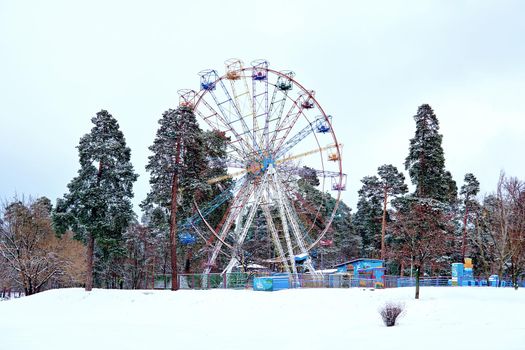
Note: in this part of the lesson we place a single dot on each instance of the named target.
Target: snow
(326, 271)
(256, 266)
(444, 318)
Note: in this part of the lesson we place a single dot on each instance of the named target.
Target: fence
(241, 280)
(10, 294)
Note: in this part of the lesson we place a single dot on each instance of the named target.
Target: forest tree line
(91, 237)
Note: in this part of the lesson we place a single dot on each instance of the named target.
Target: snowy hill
(444, 318)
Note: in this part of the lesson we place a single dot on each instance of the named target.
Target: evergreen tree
(391, 183)
(312, 206)
(98, 205)
(367, 219)
(469, 190)
(426, 160)
(176, 171)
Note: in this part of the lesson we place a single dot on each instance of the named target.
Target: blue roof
(357, 260)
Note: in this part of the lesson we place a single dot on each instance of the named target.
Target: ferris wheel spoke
(312, 127)
(259, 100)
(282, 124)
(229, 110)
(233, 213)
(291, 218)
(215, 203)
(246, 224)
(275, 237)
(237, 114)
(243, 98)
(284, 84)
(202, 236)
(304, 209)
(237, 146)
(294, 225)
(303, 102)
(284, 222)
(305, 154)
(232, 161)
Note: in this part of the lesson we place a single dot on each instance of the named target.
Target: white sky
(372, 63)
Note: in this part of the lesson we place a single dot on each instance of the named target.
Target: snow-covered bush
(390, 312)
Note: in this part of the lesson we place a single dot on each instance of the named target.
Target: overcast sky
(371, 63)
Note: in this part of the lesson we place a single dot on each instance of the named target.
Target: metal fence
(10, 294)
(242, 280)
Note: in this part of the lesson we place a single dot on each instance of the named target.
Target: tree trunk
(91, 241)
(187, 264)
(173, 222)
(417, 281)
(514, 271)
(383, 227)
(89, 262)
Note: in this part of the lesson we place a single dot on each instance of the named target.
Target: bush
(390, 312)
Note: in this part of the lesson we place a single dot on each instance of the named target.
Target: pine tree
(423, 221)
(391, 184)
(426, 160)
(313, 205)
(367, 219)
(98, 205)
(176, 166)
(469, 190)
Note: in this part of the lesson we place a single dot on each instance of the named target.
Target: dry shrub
(390, 312)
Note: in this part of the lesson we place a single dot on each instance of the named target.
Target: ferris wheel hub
(260, 166)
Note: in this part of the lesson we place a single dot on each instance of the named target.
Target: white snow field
(444, 318)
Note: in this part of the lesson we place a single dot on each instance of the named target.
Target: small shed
(365, 269)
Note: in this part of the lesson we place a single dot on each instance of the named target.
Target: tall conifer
(426, 160)
(98, 205)
(176, 168)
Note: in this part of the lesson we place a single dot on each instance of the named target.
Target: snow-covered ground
(444, 318)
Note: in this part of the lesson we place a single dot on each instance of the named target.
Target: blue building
(365, 270)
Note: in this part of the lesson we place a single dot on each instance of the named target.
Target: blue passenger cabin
(364, 269)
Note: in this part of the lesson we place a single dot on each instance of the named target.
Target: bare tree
(33, 254)
(501, 226)
(515, 193)
(421, 230)
(481, 238)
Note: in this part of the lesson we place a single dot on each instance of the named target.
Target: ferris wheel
(277, 133)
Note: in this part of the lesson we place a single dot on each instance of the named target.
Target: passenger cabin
(308, 104)
(186, 104)
(186, 98)
(284, 85)
(208, 86)
(333, 157)
(259, 75)
(233, 75)
(208, 79)
(339, 184)
(323, 128)
(260, 70)
(338, 187)
(186, 238)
